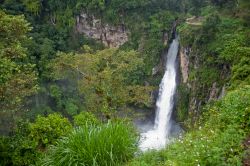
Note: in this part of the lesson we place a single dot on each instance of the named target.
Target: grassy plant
(105, 145)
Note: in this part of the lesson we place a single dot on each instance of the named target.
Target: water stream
(158, 137)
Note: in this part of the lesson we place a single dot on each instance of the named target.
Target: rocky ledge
(110, 36)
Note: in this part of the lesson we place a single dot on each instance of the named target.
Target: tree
(33, 6)
(17, 75)
(107, 79)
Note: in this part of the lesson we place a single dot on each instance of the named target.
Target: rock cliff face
(184, 62)
(192, 93)
(214, 92)
(92, 27)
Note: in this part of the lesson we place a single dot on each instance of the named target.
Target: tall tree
(17, 75)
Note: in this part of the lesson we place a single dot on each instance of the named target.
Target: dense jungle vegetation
(67, 99)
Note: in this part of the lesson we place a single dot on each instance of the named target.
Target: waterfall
(159, 136)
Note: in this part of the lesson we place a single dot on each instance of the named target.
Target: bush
(18, 149)
(107, 144)
(85, 117)
(46, 130)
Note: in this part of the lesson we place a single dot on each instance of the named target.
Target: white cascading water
(159, 136)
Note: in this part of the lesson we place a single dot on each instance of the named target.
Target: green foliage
(187, 34)
(107, 78)
(234, 49)
(108, 144)
(46, 130)
(41, 109)
(232, 44)
(182, 102)
(31, 139)
(55, 91)
(18, 78)
(85, 118)
(33, 6)
(241, 71)
(162, 21)
(196, 6)
(17, 75)
(151, 44)
(18, 149)
(217, 140)
(219, 51)
(149, 158)
(71, 107)
(224, 3)
(244, 11)
(209, 29)
(65, 97)
(5, 158)
(53, 23)
(208, 75)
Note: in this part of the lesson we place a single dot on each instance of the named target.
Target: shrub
(85, 117)
(18, 149)
(107, 144)
(46, 130)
